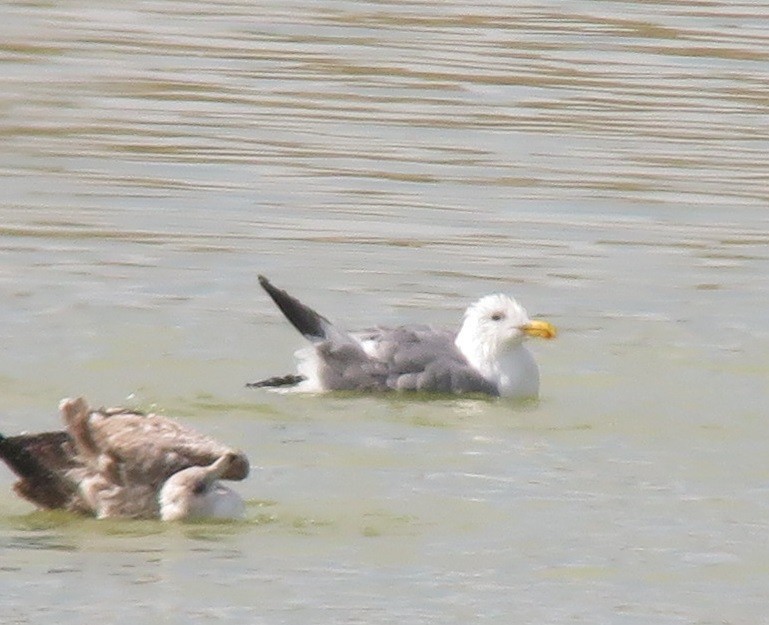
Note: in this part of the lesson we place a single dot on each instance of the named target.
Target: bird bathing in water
(119, 463)
(487, 355)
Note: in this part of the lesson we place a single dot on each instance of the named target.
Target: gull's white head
(498, 323)
(491, 338)
(197, 493)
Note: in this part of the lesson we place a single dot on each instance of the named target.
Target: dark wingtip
(309, 323)
(274, 292)
(19, 459)
(279, 380)
(41, 462)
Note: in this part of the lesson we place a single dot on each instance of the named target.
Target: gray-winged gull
(487, 355)
(116, 462)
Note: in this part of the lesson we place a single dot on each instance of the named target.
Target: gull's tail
(325, 336)
(313, 326)
(28, 457)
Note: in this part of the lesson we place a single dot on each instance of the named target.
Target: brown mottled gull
(116, 462)
(487, 355)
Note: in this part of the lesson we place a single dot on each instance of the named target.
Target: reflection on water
(391, 162)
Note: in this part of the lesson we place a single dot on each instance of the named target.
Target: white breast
(517, 374)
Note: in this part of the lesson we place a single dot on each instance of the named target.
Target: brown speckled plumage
(110, 462)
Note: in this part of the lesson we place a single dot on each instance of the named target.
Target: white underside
(515, 374)
(219, 503)
(308, 365)
(224, 503)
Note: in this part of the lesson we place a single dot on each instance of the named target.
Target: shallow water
(605, 162)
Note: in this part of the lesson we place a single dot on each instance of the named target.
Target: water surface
(605, 162)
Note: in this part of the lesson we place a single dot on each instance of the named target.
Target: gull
(119, 463)
(486, 356)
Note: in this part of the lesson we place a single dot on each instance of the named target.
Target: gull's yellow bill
(540, 329)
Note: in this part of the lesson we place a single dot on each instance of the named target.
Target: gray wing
(406, 358)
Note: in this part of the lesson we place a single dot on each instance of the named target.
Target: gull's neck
(512, 370)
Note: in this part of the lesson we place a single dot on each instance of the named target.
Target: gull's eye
(497, 316)
(199, 488)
